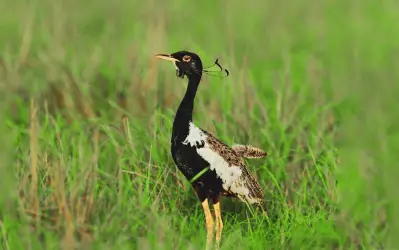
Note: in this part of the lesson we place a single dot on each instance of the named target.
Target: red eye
(186, 58)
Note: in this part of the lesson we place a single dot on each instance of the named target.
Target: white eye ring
(186, 58)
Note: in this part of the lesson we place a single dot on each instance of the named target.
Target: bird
(213, 168)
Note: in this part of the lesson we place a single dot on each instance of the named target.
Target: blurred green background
(87, 113)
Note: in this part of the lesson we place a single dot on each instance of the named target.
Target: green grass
(87, 113)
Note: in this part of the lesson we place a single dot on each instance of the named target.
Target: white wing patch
(195, 135)
(230, 175)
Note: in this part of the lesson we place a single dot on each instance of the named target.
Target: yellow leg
(209, 223)
(219, 224)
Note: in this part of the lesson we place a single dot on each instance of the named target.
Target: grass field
(87, 113)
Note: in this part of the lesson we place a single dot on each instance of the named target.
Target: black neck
(184, 114)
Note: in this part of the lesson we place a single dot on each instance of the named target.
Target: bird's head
(186, 63)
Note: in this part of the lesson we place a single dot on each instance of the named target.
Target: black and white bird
(213, 168)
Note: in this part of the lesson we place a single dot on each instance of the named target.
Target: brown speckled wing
(248, 151)
(223, 150)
